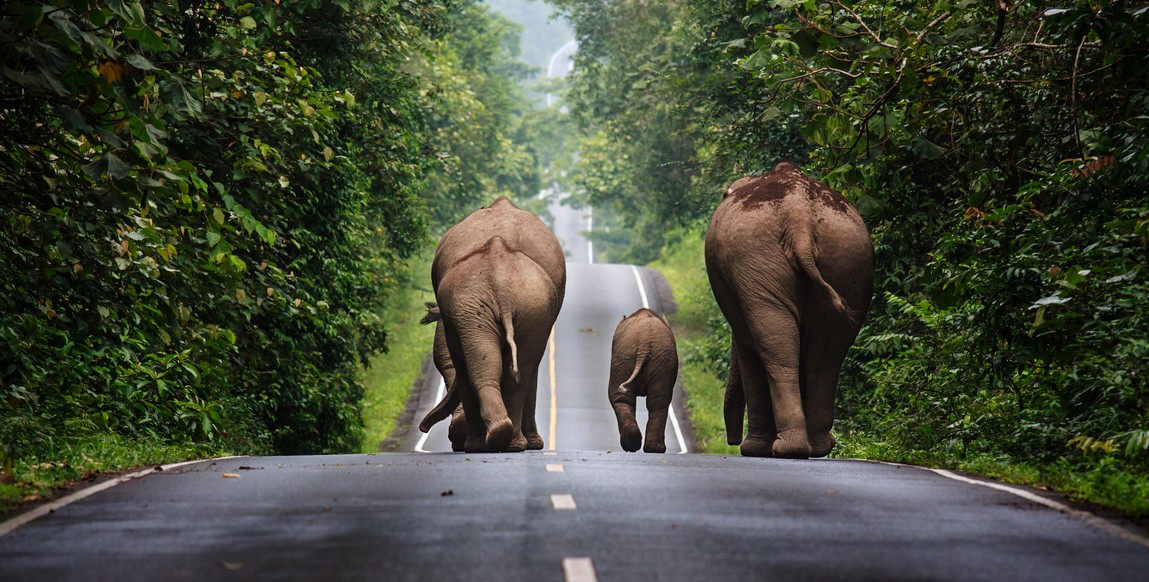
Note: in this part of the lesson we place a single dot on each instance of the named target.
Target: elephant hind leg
(657, 407)
(772, 388)
(734, 405)
(623, 402)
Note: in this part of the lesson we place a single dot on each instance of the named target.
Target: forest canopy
(998, 153)
(204, 206)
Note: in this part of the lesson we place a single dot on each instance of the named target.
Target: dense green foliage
(998, 153)
(204, 205)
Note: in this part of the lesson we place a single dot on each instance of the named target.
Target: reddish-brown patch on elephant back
(820, 194)
(786, 179)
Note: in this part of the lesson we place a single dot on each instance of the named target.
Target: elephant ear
(433, 313)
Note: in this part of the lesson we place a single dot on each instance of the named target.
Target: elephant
(791, 265)
(643, 362)
(457, 433)
(521, 235)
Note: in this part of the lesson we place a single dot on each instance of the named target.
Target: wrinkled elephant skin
(515, 274)
(457, 433)
(791, 265)
(643, 362)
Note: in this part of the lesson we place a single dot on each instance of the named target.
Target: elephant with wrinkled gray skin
(457, 433)
(520, 232)
(791, 265)
(643, 362)
(497, 308)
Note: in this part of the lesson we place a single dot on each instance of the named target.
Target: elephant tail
(509, 329)
(441, 410)
(805, 253)
(639, 362)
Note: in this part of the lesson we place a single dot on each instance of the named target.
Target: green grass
(389, 378)
(84, 457)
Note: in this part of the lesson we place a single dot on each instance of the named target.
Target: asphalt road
(578, 513)
(410, 516)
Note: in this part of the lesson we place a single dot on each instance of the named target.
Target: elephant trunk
(441, 410)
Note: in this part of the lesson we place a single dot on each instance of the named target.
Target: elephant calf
(643, 362)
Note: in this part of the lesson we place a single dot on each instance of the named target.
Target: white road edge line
(673, 417)
(1100, 523)
(579, 570)
(11, 525)
(439, 393)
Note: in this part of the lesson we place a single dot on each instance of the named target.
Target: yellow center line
(554, 405)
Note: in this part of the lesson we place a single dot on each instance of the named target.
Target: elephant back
(521, 230)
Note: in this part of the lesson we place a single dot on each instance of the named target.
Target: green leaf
(174, 94)
(147, 38)
(139, 62)
(925, 149)
(130, 12)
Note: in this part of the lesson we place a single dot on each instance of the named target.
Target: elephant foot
(753, 446)
(654, 447)
(457, 433)
(792, 445)
(630, 438)
(499, 435)
(534, 442)
(518, 445)
(820, 446)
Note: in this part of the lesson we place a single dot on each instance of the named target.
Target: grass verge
(84, 457)
(388, 380)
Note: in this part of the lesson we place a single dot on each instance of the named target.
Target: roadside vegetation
(998, 153)
(213, 214)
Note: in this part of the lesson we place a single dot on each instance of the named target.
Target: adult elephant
(520, 232)
(791, 265)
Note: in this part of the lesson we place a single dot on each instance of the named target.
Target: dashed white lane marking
(555, 469)
(1104, 525)
(439, 394)
(9, 526)
(563, 501)
(579, 570)
(551, 453)
(673, 417)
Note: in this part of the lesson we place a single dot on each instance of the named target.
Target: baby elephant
(643, 362)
